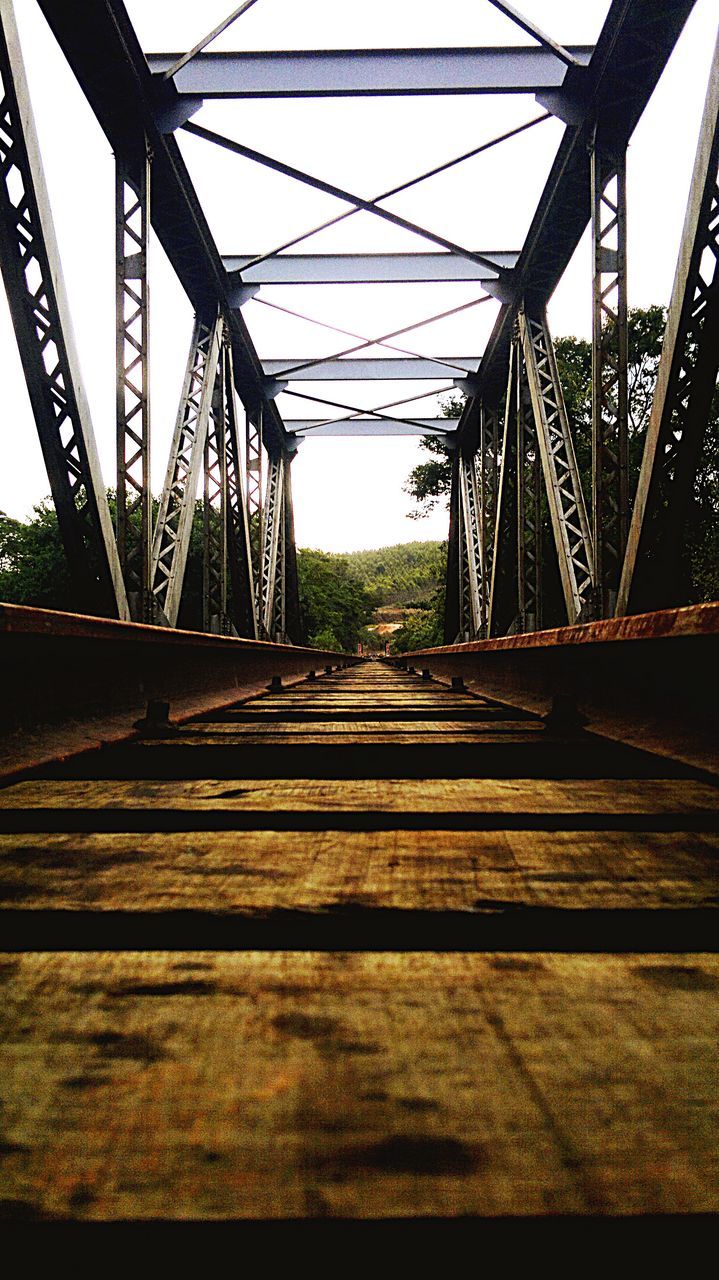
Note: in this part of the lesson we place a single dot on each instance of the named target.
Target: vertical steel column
(686, 380)
(452, 595)
(243, 610)
(529, 559)
(33, 278)
(214, 512)
(471, 549)
(253, 480)
(177, 504)
(294, 633)
(570, 523)
(503, 593)
(610, 343)
(489, 484)
(273, 575)
(134, 497)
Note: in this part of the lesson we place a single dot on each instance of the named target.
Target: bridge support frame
(33, 278)
(610, 350)
(570, 523)
(686, 381)
(174, 521)
(134, 496)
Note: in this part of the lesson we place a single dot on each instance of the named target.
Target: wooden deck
(366, 948)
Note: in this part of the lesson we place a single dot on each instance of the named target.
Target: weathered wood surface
(433, 870)
(248, 1085)
(515, 797)
(396, 1065)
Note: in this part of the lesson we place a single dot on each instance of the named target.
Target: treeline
(338, 593)
(404, 574)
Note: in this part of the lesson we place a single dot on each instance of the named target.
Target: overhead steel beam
(350, 73)
(633, 48)
(314, 428)
(368, 369)
(105, 56)
(32, 273)
(367, 268)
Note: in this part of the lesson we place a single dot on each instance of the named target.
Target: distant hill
(406, 574)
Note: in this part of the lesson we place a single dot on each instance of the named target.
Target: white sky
(348, 494)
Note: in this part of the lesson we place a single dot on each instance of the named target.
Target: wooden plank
(261, 871)
(256, 1086)
(508, 796)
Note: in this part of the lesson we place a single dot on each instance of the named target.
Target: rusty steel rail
(648, 680)
(73, 683)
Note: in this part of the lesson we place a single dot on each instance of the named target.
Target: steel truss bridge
(512, 448)
(289, 935)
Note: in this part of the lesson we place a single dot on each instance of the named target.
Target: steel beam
(366, 268)
(104, 53)
(472, 567)
(610, 348)
(254, 423)
(316, 428)
(390, 368)
(177, 504)
(503, 597)
(134, 496)
(567, 510)
(453, 577)
(349, 73)
(685, 387)
(32, 273)
(273, 552)
(488, 450)
(528, 496)
(633, 48)
(294, 629)
(243, 608)
(215, 615)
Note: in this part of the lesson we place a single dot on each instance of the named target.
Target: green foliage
(423, 629)
(429, 482)
(406, 573)
(335, 602)
(33, 567)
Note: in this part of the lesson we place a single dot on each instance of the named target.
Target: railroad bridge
(290, 936)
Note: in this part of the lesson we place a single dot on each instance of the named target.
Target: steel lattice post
(174, 521)
(214, 523)
(452, 595)
(686, 380)
(503, 601)
(134, 498)
(489, 423)
(273, 574)
(567, 509)
(472, 563)
(293, 618)
(610, 501)
(253, 482)
(242, 580)
(529, 558)
(35, 288)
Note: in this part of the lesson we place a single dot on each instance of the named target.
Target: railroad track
(368, 947)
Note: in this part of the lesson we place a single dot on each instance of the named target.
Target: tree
(335, 605)
(429, 482)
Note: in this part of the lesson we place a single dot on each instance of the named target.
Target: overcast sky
(348, 494)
